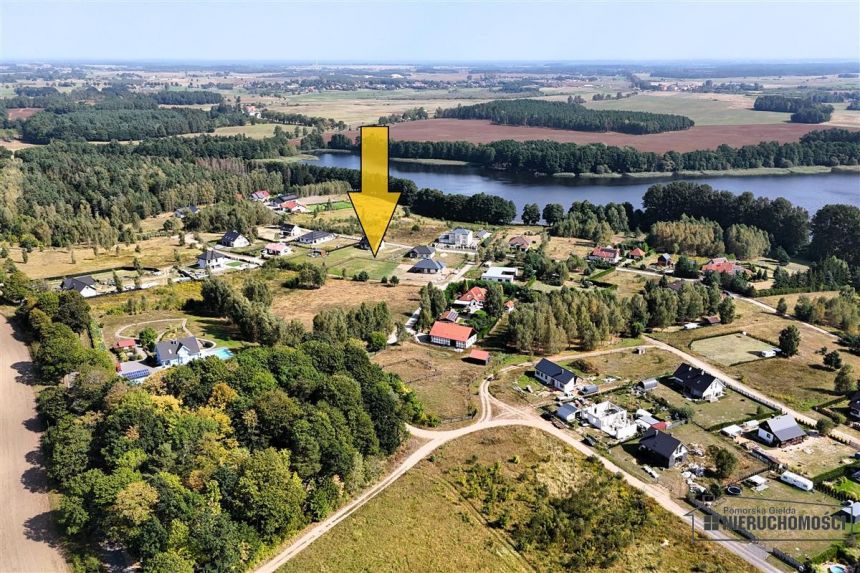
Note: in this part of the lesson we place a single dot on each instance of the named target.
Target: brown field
(442, 380)
(302, 305)
(22, 112)
(698, 137)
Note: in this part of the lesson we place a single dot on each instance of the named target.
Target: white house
(606, 254)
(698, 384)
(315, 237)
(276, 250)
(611, 419)
(556, 376)
(178, 351)
(234, 239)
(781, 431)
(85, 285)
(450, 334)
(211, 260)
(473, 299)
(500, 274)
(291, 231)
(458, 238)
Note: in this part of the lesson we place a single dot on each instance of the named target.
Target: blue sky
(427, 31)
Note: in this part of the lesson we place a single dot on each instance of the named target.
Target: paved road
(27, 534)
(508, 416)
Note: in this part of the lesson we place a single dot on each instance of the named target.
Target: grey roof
(660, 443)
(423, 250)
(315, 235)
(694, 380)
(648, 383)
(554, 371)
(589, 389)
(230, 237)
(78, 283)
(460, 231)
(167, 349)
(566, 410)
(210, 255)
(427, 265)
(784, 427)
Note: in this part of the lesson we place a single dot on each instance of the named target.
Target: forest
(563, 115)
(802, 109)
(301, 119)
(830, 147)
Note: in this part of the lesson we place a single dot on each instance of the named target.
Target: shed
(732, 431)
(567, 412)
(479, 356)
(589, 389)
(647, 384)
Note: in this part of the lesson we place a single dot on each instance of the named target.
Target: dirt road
(28, 539)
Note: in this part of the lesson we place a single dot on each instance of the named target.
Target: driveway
(28, 538)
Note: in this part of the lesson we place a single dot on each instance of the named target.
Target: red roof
(721, 265)
(276, 247)
(475, 293)
(480, 355)
(451, 331)
(604, 252)
(637, 252)
(509, 304)
(125, 343)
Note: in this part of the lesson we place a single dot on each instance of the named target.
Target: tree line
(321, 123)
(563, 115)
(809, 109)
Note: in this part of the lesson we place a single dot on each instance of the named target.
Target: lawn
(630, 366)
(730, 349)
(423, 524)
(446, 384)
(847, 486)
(354, 260)
(253, 131)
(627, 284)
(799, 381)
(732, 407)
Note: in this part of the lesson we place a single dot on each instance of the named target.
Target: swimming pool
(222, 353)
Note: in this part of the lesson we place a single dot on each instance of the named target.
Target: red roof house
(473, 298)
(605, 254)
(636, 253)
(722, 265)
(451, 334)
(479, 356)
(125, 343)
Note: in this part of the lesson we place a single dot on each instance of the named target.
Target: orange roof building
(451, 334)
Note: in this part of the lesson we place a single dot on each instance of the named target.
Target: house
(315, 237)
(260, 196)
(854, 405)
(500, 274)
(234, 239)
(211, 260)
(851, 512)
(519, 243)
(178, 351)
(567, 413)
(430, 266)
(608, 255)
(781, 431)
(481, 357)
(509, 306)
(289, 230)
(422, 252)
(722, 265)
(364, 244)
(182, 212)
(473, 299)
(450, 334)
(665, 448)
(292, 206)
(712, 320)
(556, 376)
(665, 260)
(483, 234)
(647, 385)
(636, 254)
(610, 419)
(698, 384)
(458, 238)
(449, 316)
(276, 250)
(125, 344)
(85, 285)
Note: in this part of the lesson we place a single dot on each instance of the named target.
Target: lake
(809, 191)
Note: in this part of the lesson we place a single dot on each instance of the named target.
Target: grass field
(704, 109)
(442, 380)
(847, 486)
(628, 365)
(730, 349)
(799, 381)
(627, 284)
(254, 131)
(423, 524)
(353, 260)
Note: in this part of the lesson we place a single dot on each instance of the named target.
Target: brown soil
(22, 112)
(698, 137)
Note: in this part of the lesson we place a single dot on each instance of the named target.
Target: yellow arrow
(374, 205)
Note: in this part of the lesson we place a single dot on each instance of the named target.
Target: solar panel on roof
(136, 374)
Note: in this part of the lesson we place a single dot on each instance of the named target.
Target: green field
(354, 260)
(423, 523)
(730, 349)
(704, 109)
(254, 131)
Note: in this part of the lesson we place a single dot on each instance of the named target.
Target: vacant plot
(303, 305)
(704, 109)
(627, 284)
(629, 365)
(697, 137)
(791, 299)
(780, 497)
(730, 349)
(21, 112)
(814, 455)
(349, 260)
(426, 506)
(732, 407)
(442, 380)
(799, 381)
(254, 131)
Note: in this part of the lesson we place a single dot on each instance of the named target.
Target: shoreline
(753, 172)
